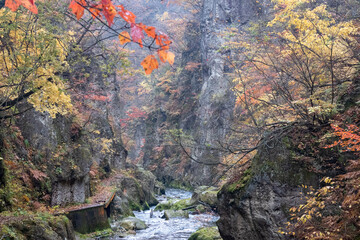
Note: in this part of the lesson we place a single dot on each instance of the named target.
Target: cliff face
(206, 101)
(216, 101)
(256, 204)
(65, 148)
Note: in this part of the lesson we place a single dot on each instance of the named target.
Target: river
(174, 228)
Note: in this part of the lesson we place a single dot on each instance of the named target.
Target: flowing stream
(174, 228)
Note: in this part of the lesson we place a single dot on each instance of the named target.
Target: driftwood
(187, 208)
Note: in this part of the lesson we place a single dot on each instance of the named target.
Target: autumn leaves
(106, 9)
(15, 4)
(110, 11)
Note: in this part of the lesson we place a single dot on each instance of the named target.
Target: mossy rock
(132, 223)
(201, 208)
(175, 214)
(174, 205)
(209, 233)
(164, 206)
(121, 207)
(183, 203)
(209, 197)
(205, 194)
(179, 185)
(242, 182)
(38, 227)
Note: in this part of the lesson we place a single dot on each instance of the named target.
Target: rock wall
(257, 204)
(206, 101)
(66, 147)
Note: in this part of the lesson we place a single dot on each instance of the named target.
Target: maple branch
(15, 114)
(114, 30)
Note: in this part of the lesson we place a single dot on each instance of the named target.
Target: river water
(174, 228)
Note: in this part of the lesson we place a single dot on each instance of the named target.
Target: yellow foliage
(31, 62)
(296, 69)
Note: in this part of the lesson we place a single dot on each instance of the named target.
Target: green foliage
(10, 233)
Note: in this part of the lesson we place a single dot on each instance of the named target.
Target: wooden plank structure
(90, 218)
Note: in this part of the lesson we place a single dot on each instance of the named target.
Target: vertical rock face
(216, 100)
(256, 205)
(206, 100)
(65, 150)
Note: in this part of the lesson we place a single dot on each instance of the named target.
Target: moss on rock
(209, 233)
(132, 223)
(175, 214)
(242, 182)
(42, 226)
(174, 205)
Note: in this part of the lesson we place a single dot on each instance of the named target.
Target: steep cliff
(255, 205)
(215, 103)
(203, 105)
(62, 150)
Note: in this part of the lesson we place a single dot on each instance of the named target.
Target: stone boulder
(134, 192)
(175, 214)
(120, 207)
(206, 195)
(208, 233)
(132, 223)
(174, 204)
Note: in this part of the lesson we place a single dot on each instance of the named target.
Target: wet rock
(175, 214)
(132, 223)
(209, 233)
(205, 194)
(174, 204)
(120, 206)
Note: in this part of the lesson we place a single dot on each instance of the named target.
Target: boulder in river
(208, 233)
(205, 194)
(132, 223)
(175, 214)
(174, 204)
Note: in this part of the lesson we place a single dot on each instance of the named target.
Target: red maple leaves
(149, 64)
(106, 9)
(109, 11)
(349, 138)
(15, 4)
(77, 8)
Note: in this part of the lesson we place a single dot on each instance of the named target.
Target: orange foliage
(15, 4)
(124, 37)
(149, 64)
(349, 139)
(166, 56)
(77, 8)
(107, 9)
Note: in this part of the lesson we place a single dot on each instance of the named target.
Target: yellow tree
(32, 59)
(293, 67)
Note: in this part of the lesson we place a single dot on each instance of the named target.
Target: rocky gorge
(254, 126)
